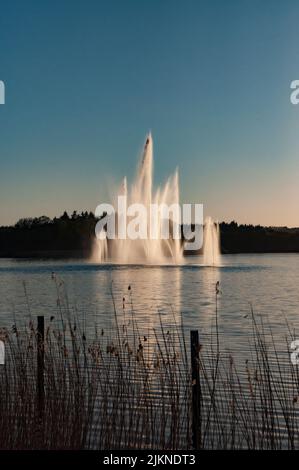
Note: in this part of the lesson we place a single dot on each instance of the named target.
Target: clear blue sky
(85, 81)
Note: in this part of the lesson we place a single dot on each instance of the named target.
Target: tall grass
(127, 389)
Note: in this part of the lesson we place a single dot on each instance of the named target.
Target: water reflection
(267, 282)
(199, 307)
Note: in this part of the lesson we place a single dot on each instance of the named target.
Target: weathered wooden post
(196, 391)
(40, 365)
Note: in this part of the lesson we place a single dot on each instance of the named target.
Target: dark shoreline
(73, 237)
(79, 255)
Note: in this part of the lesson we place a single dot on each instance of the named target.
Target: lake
(266, 282)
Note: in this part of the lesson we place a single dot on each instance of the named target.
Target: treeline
(65, 236)
(73, 236)
(258, 239)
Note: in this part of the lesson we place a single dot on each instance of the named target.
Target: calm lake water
(268, 283)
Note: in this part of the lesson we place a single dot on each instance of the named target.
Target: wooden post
(196, 391)
(40, 365)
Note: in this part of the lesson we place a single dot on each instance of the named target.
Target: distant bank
(73, 237)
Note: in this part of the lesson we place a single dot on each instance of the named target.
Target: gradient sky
(86, 80)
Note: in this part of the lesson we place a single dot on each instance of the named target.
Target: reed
(127, 389)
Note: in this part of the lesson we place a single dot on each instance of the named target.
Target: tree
(65, 216)
(24, 223)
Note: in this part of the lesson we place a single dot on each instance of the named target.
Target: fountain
(154, 250)
(211, 244)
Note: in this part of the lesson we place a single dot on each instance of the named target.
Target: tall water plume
(153, 249)
(211, 245)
